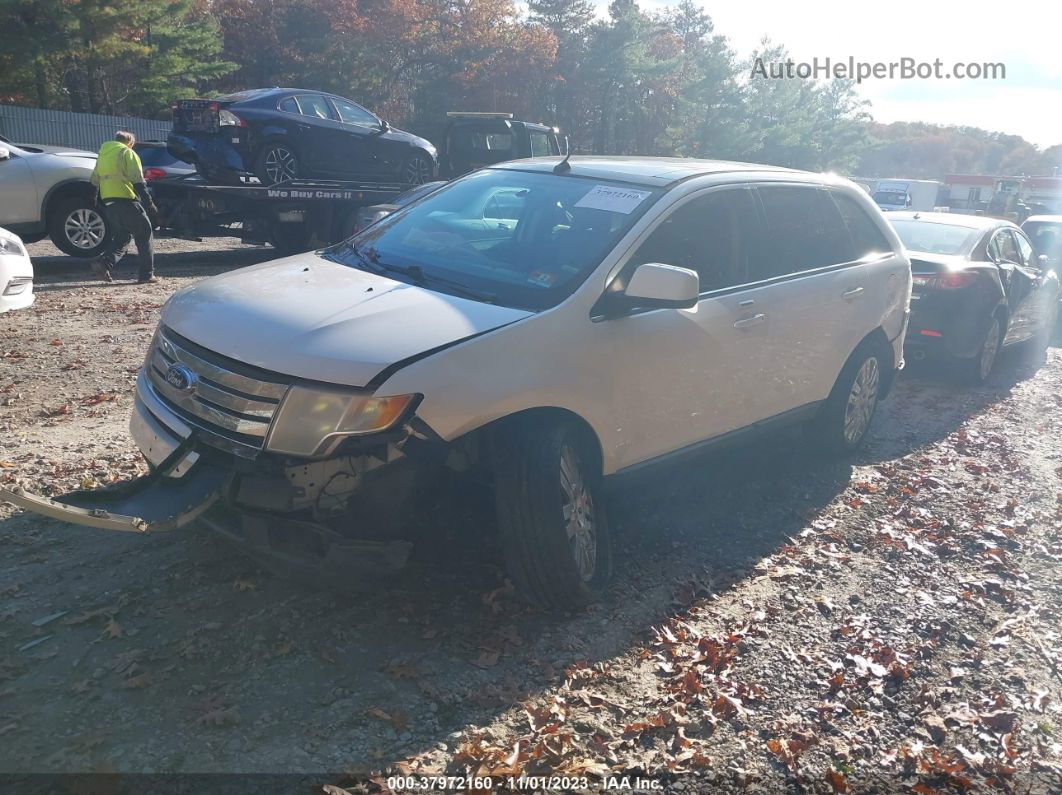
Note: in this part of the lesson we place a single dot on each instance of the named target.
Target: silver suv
(45, 192)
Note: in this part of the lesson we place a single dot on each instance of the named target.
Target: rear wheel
(276, 162)
(552, 518)
(844, 419)
(977, 369)
(78, 228)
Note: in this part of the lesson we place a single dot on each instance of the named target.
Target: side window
(804, 231)
(314, 105)
(539, 144)
(995, 253)
(349, 113)
(866, 236)
(1028, 256)
(289, 105)
(711, 234)
(1008, 249)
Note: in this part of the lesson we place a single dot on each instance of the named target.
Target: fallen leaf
(487, 659)
(113, 630)
(243, 585)
(139, 682)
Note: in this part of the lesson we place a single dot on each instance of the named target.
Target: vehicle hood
(394, 134)
(59, 151)
(310, 318)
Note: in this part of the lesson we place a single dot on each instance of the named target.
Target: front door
(21, 204)
(367, 153)
(684, 375)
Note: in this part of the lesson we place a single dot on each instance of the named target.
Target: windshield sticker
(542, 279)
(616, 200)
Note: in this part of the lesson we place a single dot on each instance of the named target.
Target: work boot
(101, 270)
(150, 279)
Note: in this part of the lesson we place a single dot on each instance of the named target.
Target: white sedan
(16, 273)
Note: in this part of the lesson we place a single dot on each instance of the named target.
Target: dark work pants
(129, 222)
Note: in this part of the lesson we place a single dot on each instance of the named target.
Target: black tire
(540, 551)
(73, 225)
(277, 161)
(290, 238)
(418, 169)
(976, 370)
(843, 421)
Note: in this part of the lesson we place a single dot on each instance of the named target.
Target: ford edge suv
(541, 326)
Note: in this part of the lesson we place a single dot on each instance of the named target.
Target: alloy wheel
(85, 228)
(989, 350)
(281, 164)
(578, 512)
(862, 399)
(418, 171)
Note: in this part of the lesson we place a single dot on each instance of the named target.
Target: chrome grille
(228, 398)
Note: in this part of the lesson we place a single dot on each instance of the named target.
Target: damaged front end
(302, 475)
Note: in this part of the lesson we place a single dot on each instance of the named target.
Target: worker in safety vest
(126, 204)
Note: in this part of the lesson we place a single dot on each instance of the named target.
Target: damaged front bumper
(152, 503)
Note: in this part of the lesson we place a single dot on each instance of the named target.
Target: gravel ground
(779, 622)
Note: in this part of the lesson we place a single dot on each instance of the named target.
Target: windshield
(890, 197)
(515, 238)
(1046, 237)
(933, 238)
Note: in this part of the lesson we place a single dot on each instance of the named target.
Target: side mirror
(658, 286)
(5, 153)
(1044, 260)
(383, 128)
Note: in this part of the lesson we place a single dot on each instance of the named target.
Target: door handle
(749, 322)
(746, 303)
(855, 292)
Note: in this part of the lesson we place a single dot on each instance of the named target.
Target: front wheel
(844, 419)
(78, 228)
(418, 170)
(551, 514)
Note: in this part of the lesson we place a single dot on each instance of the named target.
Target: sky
(1025, 35)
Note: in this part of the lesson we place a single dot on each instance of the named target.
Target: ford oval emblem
(181, 378)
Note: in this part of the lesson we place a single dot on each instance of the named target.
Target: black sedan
(278, 134)
(978, 286)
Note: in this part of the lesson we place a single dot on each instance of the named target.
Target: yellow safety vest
(117, 169)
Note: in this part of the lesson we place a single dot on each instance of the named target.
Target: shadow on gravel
(51, 273)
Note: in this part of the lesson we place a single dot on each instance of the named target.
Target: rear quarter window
(867, 238)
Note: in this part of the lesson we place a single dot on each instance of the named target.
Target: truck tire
(289, 239)
(277, 161)
(551, 515)
(843, 421)
(78, 228)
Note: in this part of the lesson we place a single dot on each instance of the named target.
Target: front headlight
(311, 419)
(11, 247)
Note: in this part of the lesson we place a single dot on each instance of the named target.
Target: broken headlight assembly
(313, 419)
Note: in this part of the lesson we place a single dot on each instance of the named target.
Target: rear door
(1038, 304)
(1018, 283)
(321, 140)
(812, 297)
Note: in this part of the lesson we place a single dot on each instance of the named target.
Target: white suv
(543, 324)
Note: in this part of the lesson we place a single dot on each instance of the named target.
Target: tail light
(227, 118)
(151, 173)
(943, 281)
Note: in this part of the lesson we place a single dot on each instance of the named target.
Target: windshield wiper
(371, 259)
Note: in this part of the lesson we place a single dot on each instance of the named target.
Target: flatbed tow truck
(292, 216)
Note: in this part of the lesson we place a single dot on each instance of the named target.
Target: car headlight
(11, 247)
(311, 419)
